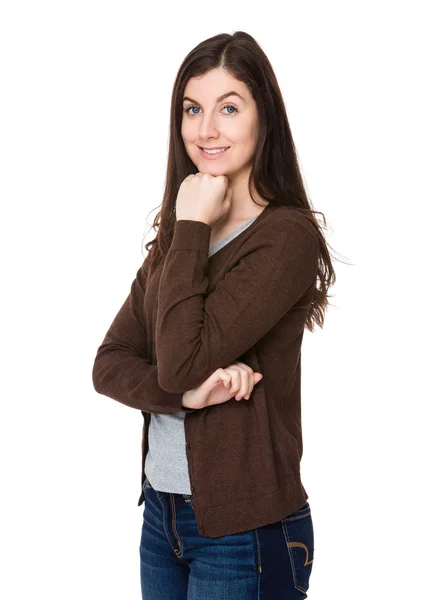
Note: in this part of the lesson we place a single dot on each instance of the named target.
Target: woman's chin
(216, 172)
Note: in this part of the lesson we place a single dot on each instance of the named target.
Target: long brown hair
(275, 172)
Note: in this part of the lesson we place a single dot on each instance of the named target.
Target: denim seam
(178, 550)
(258, 551)
(289, 545)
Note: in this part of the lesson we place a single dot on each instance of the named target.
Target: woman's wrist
(188, 399)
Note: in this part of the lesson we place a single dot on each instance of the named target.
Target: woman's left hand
(237, 379)
(203, 197)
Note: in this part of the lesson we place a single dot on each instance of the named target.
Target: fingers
(239, 384)
(225, 377)
(239, 379)
(242, 380)
(250, 377)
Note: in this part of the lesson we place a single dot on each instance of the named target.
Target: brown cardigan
(246, 302)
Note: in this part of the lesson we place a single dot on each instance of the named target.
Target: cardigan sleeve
(121, 371)
(196, 332)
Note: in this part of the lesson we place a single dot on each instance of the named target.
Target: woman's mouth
(214, 153)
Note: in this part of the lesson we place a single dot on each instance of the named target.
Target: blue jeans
(273, 562)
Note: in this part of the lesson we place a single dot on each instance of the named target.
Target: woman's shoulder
(290, 216)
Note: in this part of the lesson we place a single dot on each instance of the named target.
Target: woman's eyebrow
(219, 99)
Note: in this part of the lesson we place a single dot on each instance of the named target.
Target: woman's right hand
(237, 380)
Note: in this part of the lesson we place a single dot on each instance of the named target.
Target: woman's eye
(226, 106)
(188, 108)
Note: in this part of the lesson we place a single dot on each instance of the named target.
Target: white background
(85, 94)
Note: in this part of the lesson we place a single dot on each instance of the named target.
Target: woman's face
(211, 122)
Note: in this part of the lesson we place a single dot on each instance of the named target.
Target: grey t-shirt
(166, 464)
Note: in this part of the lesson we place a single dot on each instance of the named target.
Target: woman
(215, 315)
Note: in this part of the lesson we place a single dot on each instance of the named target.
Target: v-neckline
(237, 236)
(235, 232)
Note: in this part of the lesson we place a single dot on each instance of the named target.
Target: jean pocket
(299, 537)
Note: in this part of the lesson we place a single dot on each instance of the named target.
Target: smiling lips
(213, 153)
